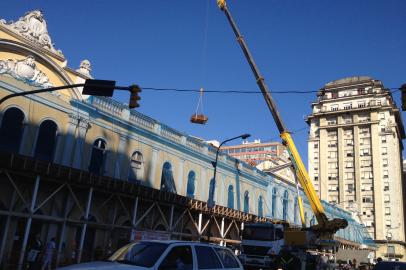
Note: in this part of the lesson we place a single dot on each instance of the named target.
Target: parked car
(166, 255)
(390, 266)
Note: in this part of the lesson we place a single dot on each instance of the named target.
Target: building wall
(355, 154)
(255, 152)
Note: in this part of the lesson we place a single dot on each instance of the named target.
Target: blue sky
(298, 45)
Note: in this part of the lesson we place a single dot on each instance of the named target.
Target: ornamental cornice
(25, 70)
(33, 27)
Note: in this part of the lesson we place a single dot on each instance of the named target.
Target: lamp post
(210, 201)
(90, 87)
(389, 237)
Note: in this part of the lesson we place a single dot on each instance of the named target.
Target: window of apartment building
(368, 175)
(365, 163)
(332, 165)
(347, 119)
(350, 188)
(332, 143)
(360, 91)
(334, 107)
(386, 186)
(384, 150)
(381, 116)
(366, 187)
(331, 121)
(364, 141)
(378, 103)
(367, 199)
(386, 198)
(388, 223)
(349, 153)
(349, 175)
(316, 178)
(332, 154)
(348, 132)
(332, 188)
(332, 176)
(383, 139)
(364, 117)
(364, 130)
(385, 174)
(316, 146)
(385, 162)
(332, 133)
(347, 106)
(364, 152)
(361, 104)
(349, 164)
(349, 142)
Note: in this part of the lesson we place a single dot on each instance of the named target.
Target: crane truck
(325, 228)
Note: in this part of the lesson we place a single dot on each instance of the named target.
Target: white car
(166, 255)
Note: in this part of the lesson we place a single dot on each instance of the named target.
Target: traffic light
(134, 97)
(403, 90)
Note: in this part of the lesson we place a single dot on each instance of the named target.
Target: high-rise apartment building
(255, 152)
(355, 157)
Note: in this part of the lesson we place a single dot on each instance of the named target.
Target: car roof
(172, 242)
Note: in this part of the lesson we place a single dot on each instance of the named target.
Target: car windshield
(143, 254)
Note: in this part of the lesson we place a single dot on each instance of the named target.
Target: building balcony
(371, 104)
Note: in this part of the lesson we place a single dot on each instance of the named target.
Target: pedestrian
(34, 253)
(49, 252)
(354, 263)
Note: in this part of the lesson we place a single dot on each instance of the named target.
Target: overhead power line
(395, 89)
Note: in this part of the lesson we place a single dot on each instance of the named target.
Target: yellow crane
(325, 227)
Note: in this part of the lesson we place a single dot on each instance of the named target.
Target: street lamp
(90, 87)
(389, 237)
(210, 201)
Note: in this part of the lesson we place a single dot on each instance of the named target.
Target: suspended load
(199, 117)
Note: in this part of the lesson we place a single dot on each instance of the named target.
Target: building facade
(355, 157)
(255, 152)
(94, 174)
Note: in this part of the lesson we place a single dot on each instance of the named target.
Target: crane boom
(324, 224)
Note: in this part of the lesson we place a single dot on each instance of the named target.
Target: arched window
(11, 130)
(97, 160)
(246, 202)
(273, 209)
(136, 172)
(211, 189)
(46, 140)
(260, 206)
(295, 211)
(285, 205)
(167, 182)
(191, 178)
(230, 203)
